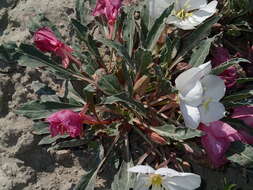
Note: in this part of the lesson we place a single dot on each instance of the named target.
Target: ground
(24, 164)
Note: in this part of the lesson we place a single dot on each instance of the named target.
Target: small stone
(63, 156)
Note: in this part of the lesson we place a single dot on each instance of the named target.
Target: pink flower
(46, 41)
(245, 113)
(110, 9)
(221, 55)
(217, 139)
(65, 121)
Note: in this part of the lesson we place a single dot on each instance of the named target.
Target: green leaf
(32, 57)
(121, 50)
(39, 110)
(177, 133)
(70, 144)
(82, 33)
(193, 39)
(166, 53)
(81, 10)
(123, 180)
(129, 29)
(49, 139)
(199, 56)
(109, 84)
(40, 128)
(157, 28)
(84, 181)
(241, 154)
(128, 102)
(244, 80)
(40, 21)
(222, 67)
(238, 96)
(142, 59)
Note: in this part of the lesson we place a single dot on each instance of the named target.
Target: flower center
(206, 103)
(183, 14)
(156, 179)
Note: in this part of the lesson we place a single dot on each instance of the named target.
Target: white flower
(199, 95)
(164, 178)
(186, 14)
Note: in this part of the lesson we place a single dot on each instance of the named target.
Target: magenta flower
(245, 113)
(221, 55)
(110, 9)
(217, 139)
(65, 121)
(46, 41)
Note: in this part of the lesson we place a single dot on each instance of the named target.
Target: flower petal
(186, 181)
(204, 13)
(205, 68)
(193, 4)
(215, 148)
(142, 169)
(186, 80)
(214, 87)
(211, 112)
(142, 183)
(167, 172)
(194, 96)
(190, 114)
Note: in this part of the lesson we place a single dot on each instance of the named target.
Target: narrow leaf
(241, 154)
(157, 28)
(122, 51)
(177, 133)
(222, 67)
(123, 180)
(199, 56)
(39, 110)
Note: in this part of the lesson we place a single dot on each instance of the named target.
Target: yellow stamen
(206, 103)
(156, 179)
(183, 14)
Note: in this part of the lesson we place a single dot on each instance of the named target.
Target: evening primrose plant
(143, 84)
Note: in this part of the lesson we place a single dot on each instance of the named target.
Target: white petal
(142, 169)
(187, 181)
(214, 111)
(194, 96)
(186, 80)
(214, 87)
(184, 24)
(202, 14)
(167, 172)
(142, 183)
(205, 68)
(196, 4)
(190, 114)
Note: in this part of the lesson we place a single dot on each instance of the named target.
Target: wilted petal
(242, 111)
(214, 87)
(190, 114)
(212, 111)
(215, 147)
(142, 169)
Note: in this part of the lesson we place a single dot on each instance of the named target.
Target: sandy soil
(24, 164)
